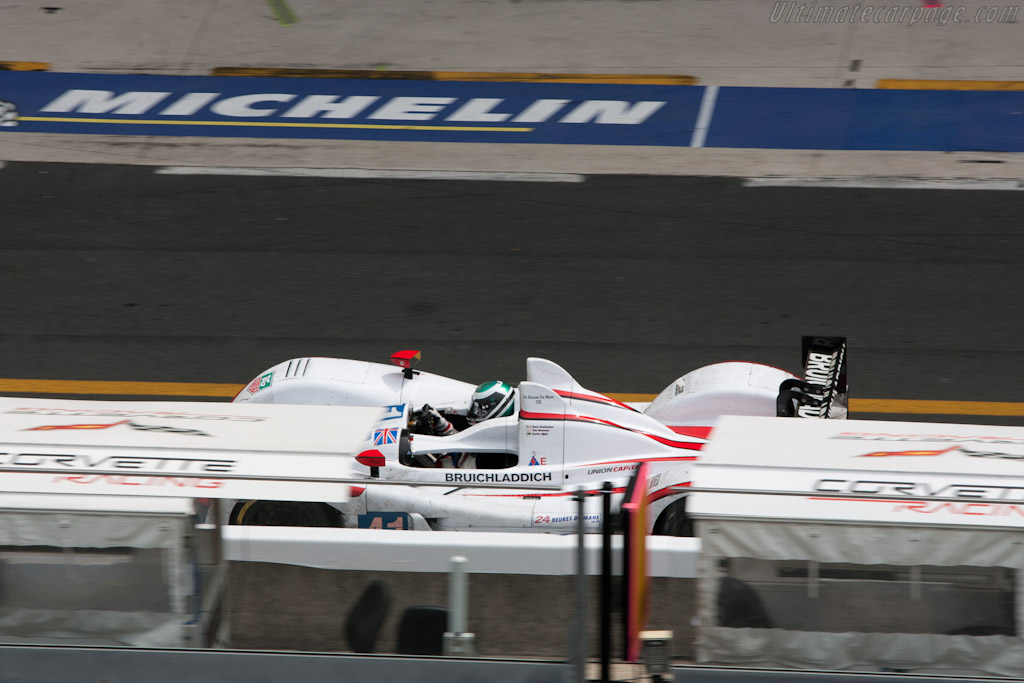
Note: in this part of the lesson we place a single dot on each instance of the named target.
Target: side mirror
(407, 359)
(372, 459)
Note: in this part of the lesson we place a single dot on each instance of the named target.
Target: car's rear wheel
(674, 521)
(283, 513)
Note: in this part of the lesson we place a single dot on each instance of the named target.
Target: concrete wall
(287, 607)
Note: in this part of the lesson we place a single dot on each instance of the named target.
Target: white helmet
(491, 399)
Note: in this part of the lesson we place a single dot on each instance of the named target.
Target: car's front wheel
(674, 521)
(283, 513)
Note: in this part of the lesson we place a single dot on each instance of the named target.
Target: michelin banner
(350, 109)
(544, 113)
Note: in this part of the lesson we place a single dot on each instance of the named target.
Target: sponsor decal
(912, 489)
(613, 468)
(564, 519)
(363, 109)
(393, 412)
(131, 480)
(939, 438)
(952, 449)
(8, 114)
(948, 508)
(383, 437)
(982, 509)
(496, 477)
(887, 454)
(27, 462)
(534, 461)
(260, 383)
(330, 107)
(134, 425)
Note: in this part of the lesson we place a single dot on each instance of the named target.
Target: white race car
(525, 467)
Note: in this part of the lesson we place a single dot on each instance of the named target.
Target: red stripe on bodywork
(594, 399)
(592, 492)
(695, 432)
(687, 445)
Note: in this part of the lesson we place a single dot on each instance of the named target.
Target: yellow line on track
(277, 124)
(64, 386)
(899, 406)
(24, 66)
(906, 406)
(924, 84)
(486, 76)
(212, 390)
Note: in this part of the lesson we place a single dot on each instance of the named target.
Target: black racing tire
(283, 513)
(674, 521)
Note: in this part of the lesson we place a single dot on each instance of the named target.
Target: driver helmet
(491, 399)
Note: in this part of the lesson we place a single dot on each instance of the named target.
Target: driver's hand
(430, 416)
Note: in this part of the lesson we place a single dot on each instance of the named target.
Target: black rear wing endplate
(823, 392)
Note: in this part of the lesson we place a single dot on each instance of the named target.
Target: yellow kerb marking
(893, 406)
(100, 388)
(919, 84)
(488, 76)
(24, 66)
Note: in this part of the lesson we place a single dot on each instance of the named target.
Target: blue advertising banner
(509, 112)
(909, 120)
(351, 109)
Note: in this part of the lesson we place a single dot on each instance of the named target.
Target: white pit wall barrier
(430, 551)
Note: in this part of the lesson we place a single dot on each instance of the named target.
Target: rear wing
(186, 450)
(823, 392)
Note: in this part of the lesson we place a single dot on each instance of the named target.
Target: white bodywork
(561, 437)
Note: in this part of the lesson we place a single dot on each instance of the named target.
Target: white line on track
(707, 108)
(361, 173)
(892, 183)
(2, 164)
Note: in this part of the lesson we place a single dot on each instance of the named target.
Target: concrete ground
(725, 42)
(591, 159)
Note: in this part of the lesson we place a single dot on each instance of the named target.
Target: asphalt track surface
(116, 273)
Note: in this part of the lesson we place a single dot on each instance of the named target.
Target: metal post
(579, 654)
(456, 640)
(457, 595)
(606, 581)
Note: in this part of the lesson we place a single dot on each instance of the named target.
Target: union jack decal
(383, 437)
